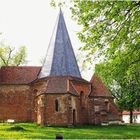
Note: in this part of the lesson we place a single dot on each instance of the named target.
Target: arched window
(107, 104)
(81, 94)
(81, 98)
(56, 105)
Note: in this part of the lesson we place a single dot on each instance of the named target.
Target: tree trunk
(131, 116)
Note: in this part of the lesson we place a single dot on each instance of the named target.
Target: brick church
(55, 94)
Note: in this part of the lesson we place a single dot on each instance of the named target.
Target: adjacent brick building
(55, 94)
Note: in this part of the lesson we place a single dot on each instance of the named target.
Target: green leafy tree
(108, 26)
(122, 76)
(8, 57)
(111, 30)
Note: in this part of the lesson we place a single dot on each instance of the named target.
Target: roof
(60, 59)
(61, 84)
(136, 112)
(57, 85)
(18, 75)
(99, 89)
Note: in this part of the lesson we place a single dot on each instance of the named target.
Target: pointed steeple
(60, 59)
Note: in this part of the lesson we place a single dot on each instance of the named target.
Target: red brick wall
(82, 102)
(81, 110)
(114, 112)
(79, 86)
(107, 110)
(46, 103)
(19, 102)
(67, 105)
(15, 103)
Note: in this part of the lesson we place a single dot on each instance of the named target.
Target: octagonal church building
(55, 94)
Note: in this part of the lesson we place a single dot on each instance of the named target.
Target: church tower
(60, 59)
(62, 89)
(62, 96)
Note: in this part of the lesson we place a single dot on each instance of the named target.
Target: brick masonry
(35, 101)
(15, 103)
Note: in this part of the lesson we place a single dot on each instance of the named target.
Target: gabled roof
(99, 89)
(18, 75)
(60, 59)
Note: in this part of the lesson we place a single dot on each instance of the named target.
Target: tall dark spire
(60, 59)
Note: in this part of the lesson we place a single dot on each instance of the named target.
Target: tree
(122, 76)
(10, 58)
(108, 26)
(111, 31)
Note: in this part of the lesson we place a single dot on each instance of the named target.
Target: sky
(30, 23)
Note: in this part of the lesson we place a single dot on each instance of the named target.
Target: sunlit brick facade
(55, 94)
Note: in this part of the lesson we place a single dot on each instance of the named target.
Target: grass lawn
(32, 131)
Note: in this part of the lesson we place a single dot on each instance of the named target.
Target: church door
(74, 117)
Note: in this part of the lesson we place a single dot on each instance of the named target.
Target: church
(55, 94)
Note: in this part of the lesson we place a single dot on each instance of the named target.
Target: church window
(96, 108)
(81, 98)
(106, 100)
(81, 95)
(56, 105)
(107, 104)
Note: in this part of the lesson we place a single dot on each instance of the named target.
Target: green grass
(32, 131)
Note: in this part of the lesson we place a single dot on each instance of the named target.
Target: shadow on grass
(16, 128)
